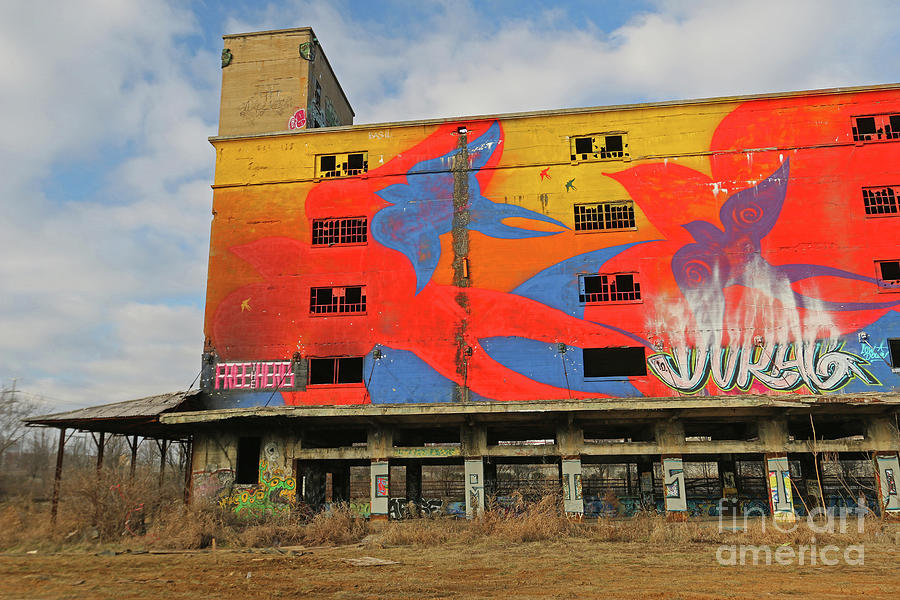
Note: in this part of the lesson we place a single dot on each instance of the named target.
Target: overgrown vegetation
(115, 511)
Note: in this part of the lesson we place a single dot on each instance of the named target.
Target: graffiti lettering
(821, 367)
(254, 375)
(427, 451)
(297, 120)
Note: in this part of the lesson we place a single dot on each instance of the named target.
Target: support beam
(645, 476)
(474, 472)
(101, 446)
(673, 488)
(133, 444)
(573, 498)
(380, 485)
(778, 478)
(188, 469)
(163, 446)
(887, 472)
(57, 475)
(414, 481)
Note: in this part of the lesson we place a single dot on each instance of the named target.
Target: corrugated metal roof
(142, 408)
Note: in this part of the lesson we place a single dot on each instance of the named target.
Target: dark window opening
(604, 216)
(877, 127)
(247, 460)
(331, 371)
(328, 300)
(614, 362)
(327, 163)
(880, 200)
(605, 147)
(889, 271)
(584, 145)
(894, 349)
(343, 165)
(332, 232)
(318, 97)
(609, 288)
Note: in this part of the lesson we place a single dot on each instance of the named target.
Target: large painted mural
(749, 262)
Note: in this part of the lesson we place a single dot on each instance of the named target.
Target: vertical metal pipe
(54, 503)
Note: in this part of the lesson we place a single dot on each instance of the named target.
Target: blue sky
(106, 107)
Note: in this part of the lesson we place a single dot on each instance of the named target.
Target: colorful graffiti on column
(275, 493)
(748, 264)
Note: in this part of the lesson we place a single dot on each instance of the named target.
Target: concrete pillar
(673, 487)
(380, 482)
(490, 478)
(887, 474)
(645, 479)
(881, 434)
(314, 482)
(474, 471)
(778, 479)
(573, 500)
(414, 482)
(340, 483)
(773, 434)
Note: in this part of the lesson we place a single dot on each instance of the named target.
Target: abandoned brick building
(690, 306)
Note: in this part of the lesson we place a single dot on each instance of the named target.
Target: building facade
(622, 293)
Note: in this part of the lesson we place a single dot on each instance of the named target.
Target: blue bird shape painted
(422, 208)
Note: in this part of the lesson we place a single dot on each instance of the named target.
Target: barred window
(620, 287)
(336, 232)
(329, 166)
(873, 128)
(331, 371)
(604, 146)
(881, 200)
(604, 216)
(337, 300)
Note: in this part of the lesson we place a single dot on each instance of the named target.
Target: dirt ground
(573, 568)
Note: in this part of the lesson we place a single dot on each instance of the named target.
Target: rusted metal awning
(132, 417)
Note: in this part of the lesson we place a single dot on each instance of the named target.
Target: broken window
(247, 460)
(330, 300)
(336, 232)
(894, 349)
(614, 362)
(620, 287)
(317, 99)
(604, 216)
(604, 146)
(342, 165)
(889, 273)
(332, 371)
(876, 127)
(880, 200)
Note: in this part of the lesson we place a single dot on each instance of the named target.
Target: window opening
(334, 232)
(604, 216)
(614, 362)
(329, 300)
(247, 460)
(332, 371)
(621, 287)
(880, 200)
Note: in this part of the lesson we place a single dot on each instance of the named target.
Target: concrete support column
(340, 483)
(474, 472)
(773, 434)
(673, 487)
(490, 478)
(781, 497)
(887, 473)
(380, 482)
(414, 482)
(881, 435)
(573, 500)
(645, 479)
(314, 481)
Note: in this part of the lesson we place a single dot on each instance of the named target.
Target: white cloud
(96, 286)
(99, 284)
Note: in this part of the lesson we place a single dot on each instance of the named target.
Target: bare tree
(13, 408)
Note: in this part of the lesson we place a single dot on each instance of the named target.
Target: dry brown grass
(140, 514)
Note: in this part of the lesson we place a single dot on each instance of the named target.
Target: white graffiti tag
(821, 366)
